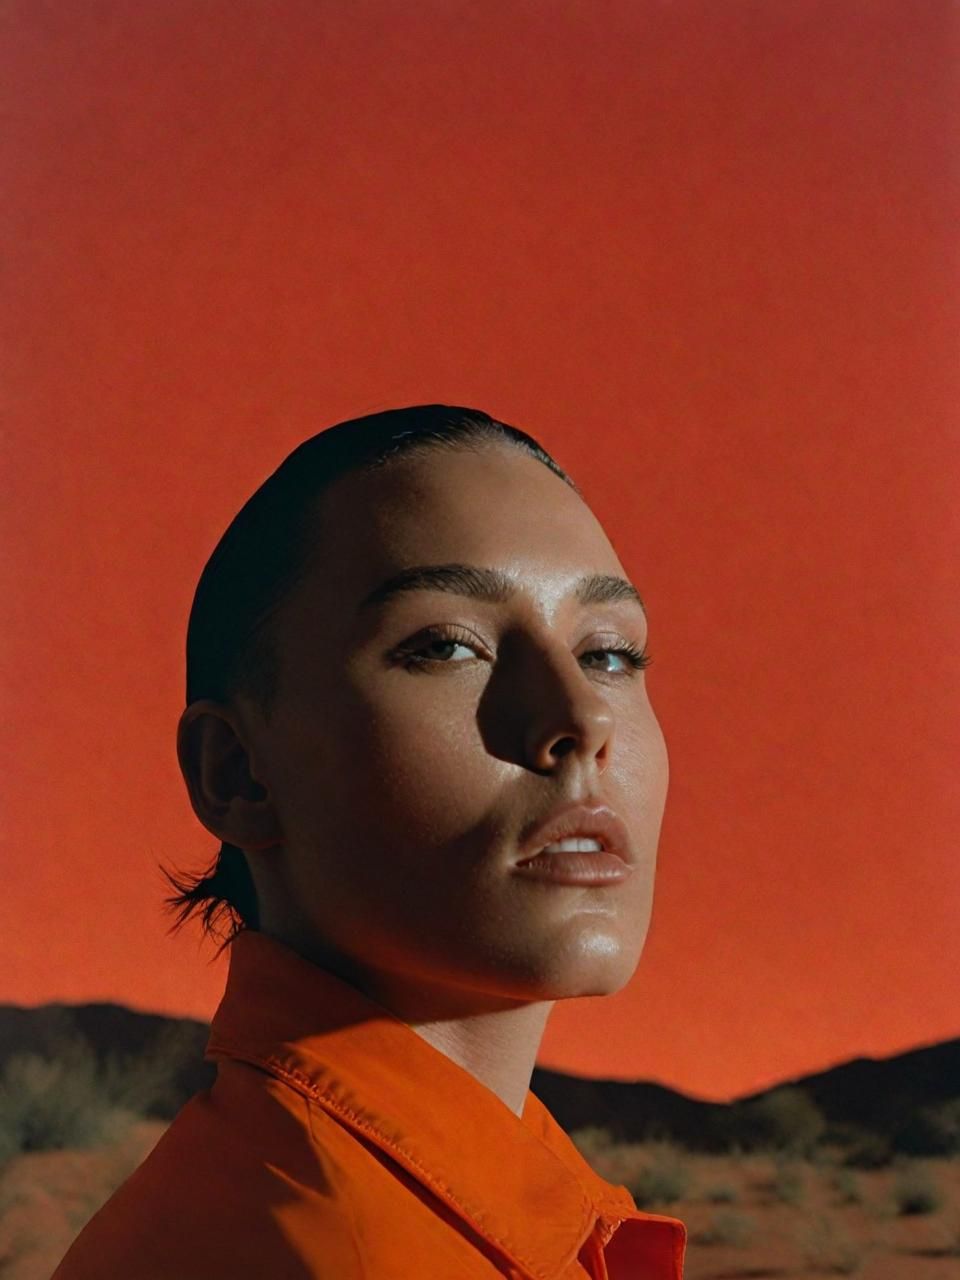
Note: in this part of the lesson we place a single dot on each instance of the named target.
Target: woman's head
(371, 755)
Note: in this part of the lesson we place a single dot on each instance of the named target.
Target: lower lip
(575, 868)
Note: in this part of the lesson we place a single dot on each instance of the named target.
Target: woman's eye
(628, 654)
(441, 651)
(436, 650)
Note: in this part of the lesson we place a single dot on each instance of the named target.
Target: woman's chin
(594, 971)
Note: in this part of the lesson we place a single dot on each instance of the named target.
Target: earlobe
(214, 761)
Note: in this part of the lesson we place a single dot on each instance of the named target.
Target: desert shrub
(827, 1247)
(847, 1186)
(727, 1226)
(147, 1084)
(9, 1139)
(48, 1104)
(592, 1141)
(66, 1098)
(618, 1162)
(787, 1183)
(662, 1178)
(915, 1191)
(722, 1193)
(822, 1156)
(932, 1130)
(866, 1150)
(786, 1119)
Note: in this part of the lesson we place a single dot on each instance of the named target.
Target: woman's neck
(495, 1038)
(499, 1048)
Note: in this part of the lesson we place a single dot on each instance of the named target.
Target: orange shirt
(337, 1144)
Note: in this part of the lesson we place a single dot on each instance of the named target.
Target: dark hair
(264, 552)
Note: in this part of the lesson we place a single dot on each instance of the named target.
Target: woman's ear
(215, 764)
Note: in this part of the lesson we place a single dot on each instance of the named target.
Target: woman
(417, 721)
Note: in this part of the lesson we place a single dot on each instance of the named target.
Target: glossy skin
(381, 806)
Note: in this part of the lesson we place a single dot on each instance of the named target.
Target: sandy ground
(803, 1226)
(47, 1196)
(819, 1231)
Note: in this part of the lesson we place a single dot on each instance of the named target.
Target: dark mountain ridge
(908, 1102)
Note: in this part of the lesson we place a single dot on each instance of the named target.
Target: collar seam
(296, 1079)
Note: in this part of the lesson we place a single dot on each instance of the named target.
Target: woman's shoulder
(236, 1185)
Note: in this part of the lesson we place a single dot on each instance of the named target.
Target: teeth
(574, 844)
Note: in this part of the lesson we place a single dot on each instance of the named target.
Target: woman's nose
(565, 714)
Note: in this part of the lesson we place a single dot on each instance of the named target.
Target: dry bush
(722, 1193)
(822, 1156)
(866, 1150)
(933, 1130)
(620, 1162)
(663, 1175)
(727, 1226)
(915, 1190)
(49, 1105)
(788, 1184)
(827, 1247)
(653, 1172)
(786, 1119)
(847, 1185)
(146, 1083)
(67, 1099)
(593, 1142)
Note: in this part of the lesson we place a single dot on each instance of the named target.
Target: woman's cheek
(432, 768)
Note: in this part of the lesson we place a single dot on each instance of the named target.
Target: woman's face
(417, 738)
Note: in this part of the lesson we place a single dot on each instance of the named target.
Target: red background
(704, 252)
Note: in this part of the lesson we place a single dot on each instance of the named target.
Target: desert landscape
(770, 1186)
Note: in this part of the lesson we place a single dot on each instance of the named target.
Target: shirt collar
(381, 1079)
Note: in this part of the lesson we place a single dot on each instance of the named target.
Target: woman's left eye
(634, 657)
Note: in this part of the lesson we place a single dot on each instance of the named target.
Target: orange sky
(703, 252)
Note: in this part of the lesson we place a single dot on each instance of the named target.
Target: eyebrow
(492, 585)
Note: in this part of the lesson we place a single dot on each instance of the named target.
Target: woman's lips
(590, 818)
(576, 868)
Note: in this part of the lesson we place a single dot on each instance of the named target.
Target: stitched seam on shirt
(278, 1067)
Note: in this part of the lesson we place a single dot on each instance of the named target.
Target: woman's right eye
(435, 646)
(436, 650)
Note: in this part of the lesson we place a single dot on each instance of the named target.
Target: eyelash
(638, 659)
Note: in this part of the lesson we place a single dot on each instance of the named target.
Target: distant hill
(909, 1102)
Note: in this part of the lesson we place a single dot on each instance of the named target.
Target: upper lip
(598, 821)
